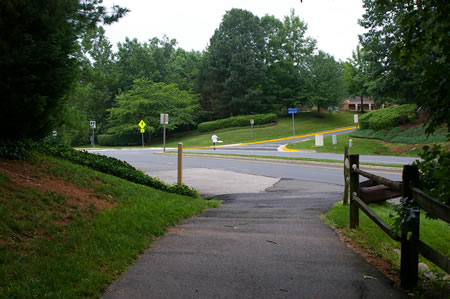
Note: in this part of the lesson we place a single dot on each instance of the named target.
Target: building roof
(357, 100)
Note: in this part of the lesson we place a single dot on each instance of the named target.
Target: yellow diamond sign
(142, 124)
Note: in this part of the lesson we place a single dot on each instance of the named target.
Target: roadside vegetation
(392, 131)
(368, 146)
(305, 123)
(68, 231)
(375, 242)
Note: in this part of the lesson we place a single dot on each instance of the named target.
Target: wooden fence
(413, 200)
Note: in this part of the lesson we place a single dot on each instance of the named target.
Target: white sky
(333, 23)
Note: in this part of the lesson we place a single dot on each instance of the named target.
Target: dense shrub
(415, 135)
(17, 149)
(125, 139)
(388, 118)
(237, 121)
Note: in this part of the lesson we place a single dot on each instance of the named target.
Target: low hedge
(388, 118)
(414, 135)
(116, 139)
(237, 121)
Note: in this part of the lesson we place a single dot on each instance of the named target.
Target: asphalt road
(165, 167)
(256, 245)
(266, 240)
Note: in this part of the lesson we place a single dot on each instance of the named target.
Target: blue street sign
(292, 110)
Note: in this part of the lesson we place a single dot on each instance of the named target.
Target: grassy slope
(304, 123)
(368, 146)
(52, 245)
(359, 146)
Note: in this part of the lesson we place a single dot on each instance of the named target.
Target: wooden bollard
(180, 163)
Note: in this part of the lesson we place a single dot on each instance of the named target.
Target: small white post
(334, 139)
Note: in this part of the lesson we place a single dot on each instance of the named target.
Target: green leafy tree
(409, 53)
(234, 66)
(356, 75)
(184, 68)
(38, 60)
(325, 81)
(149, 61)
(146, 100)
(414, 36)
(286, 50)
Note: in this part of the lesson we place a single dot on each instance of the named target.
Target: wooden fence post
(354, 188)
(409, 263)
(346, 176)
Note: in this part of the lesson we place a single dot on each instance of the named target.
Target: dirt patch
(407, 126)
(25, 174)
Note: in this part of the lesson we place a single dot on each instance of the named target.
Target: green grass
(433, 232)
(304, 123)
(40, 257)
(359, 146)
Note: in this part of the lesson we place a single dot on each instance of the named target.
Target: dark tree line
(405, 55)
(39, 61)
(58, 70)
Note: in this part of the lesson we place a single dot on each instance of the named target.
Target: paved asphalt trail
(270, 244)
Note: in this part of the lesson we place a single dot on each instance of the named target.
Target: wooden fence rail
(413, 199)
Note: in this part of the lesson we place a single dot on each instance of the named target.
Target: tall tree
(184, 68)
(325, 81)
(356, 75)
(235, 64)
(286, 50)
(38, 62)
(409, 42)
(148, 60)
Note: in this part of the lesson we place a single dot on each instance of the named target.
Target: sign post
(142, 125)
(93, 124)
(252, 121)
(293, 111)
(164, 121)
